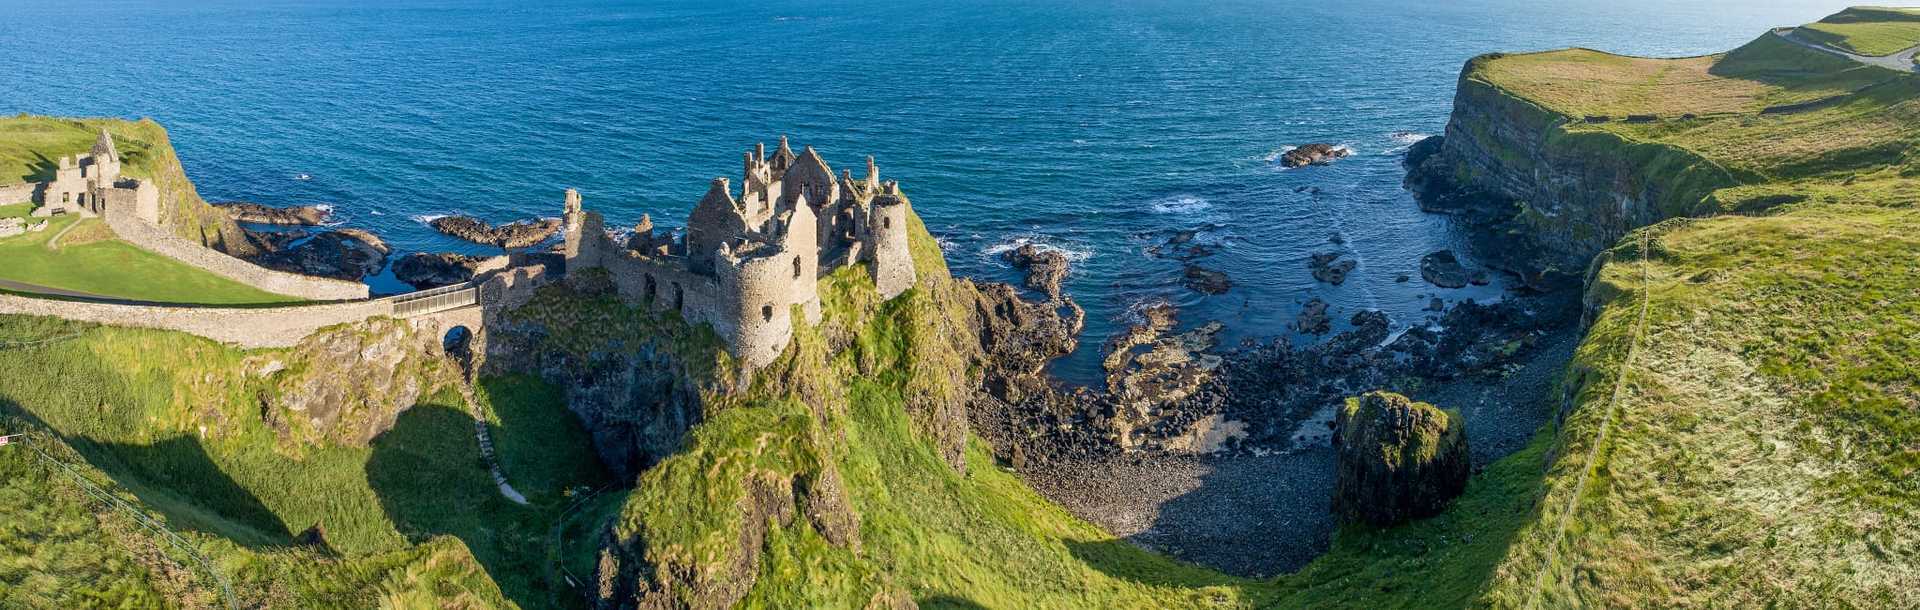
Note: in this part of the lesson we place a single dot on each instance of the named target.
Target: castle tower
(890, 258)
(106, 160)
(583, 231)
(766, 281)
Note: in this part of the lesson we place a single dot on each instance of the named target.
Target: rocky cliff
(1549, 193)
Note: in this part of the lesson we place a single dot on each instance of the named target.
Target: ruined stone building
(746, 263)
(91, 184)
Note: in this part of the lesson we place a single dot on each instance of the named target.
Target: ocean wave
(1074, 252)
(303, 177)
(427, 218)
(1404, 140)
(1181, 204)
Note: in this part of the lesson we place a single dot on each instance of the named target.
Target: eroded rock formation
(1313, 154)
(1398, 459)
(519, 234)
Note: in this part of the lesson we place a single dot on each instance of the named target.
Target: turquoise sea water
(1092, 126)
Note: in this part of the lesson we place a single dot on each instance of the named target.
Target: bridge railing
(436, 300)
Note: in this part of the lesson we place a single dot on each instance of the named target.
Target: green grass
(176, 422)
(1867, 30)
(84, 262)
(1862, 119)
(31, 147)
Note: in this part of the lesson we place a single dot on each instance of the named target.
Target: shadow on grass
(177, 477)
(431, 481)
(949, 602)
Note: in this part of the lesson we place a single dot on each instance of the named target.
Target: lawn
(1868, 30)
(87, 259)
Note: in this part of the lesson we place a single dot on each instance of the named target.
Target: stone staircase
(486, 442)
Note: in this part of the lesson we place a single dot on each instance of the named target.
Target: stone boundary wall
(155, 239)
(242, 326)
(17, 193)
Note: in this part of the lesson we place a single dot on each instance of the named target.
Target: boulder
(1313, 154)
(1444, 270)
(1330, 268)
(1206, 281)
(1398, 459)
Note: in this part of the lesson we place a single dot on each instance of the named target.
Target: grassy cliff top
(31, 147)
(1867, 30)
(1771, 109)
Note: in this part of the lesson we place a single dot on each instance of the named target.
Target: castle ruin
(91, 184)
(745, 264)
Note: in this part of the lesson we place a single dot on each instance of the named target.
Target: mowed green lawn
(84, 262)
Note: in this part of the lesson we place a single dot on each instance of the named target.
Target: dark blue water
(1074, 123)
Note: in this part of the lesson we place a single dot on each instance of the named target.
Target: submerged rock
(1313, 154)
(1398, 459)
(1330, 268)
(1444, 270)
(295, 215)
(520, 234)
(1313, 318)
(1206, 281)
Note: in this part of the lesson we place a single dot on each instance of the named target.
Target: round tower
(891, 259)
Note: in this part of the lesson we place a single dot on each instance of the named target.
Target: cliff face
(181, 209)
(1549, 192)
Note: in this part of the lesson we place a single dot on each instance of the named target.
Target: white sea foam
(427, 218)
(1181, 204)
(1403, 140)
(302, 177)
(1074, 252)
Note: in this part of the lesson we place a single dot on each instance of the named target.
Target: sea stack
(1398, 459)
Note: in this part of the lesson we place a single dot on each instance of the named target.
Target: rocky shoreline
(513, 235)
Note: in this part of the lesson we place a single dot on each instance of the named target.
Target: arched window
(766, 313)
(796, 267)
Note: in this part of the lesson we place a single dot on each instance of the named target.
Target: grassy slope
(174, 422)
(1870, 120)
(1868, 30)
(88, 260)
(1761, 450)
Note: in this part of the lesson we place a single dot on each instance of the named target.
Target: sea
(1100, 128)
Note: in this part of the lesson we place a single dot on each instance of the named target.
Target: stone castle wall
(18, 193)
(125, 221)
(246, 327)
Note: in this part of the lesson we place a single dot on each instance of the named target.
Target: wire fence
(139, 516)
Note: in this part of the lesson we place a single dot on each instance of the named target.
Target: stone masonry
(745, 264)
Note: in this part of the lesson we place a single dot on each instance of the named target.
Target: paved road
(1899, 62)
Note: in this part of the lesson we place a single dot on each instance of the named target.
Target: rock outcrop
(1205, 281)
(520, 234)
(1313, 154)
(297, 215)
(1443, 269)
(346, 385)
(1544, 200)
(1046, 267)
(435, 269)
(1398, 460)
(346, 254)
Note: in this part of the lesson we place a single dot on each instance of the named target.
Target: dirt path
(1898, 62)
